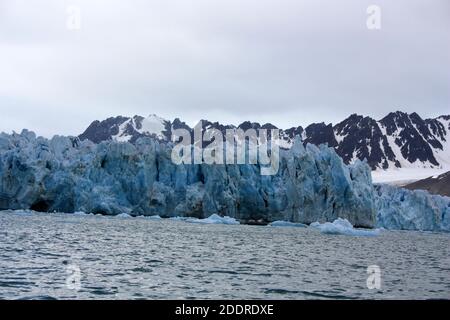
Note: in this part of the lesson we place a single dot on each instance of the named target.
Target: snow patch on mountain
(402, 176)
(122, 136)
(443, 156)
(153, 125)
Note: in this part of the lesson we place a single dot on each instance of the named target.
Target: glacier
(402, 209)
(65, 174)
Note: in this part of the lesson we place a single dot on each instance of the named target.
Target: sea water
(78, 256)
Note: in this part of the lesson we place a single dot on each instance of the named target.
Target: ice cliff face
(64, 174)
(67, 175)
(404, 209)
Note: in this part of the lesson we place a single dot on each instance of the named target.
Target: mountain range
(399, 140)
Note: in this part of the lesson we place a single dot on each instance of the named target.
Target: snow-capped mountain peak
(153, 125)
(127, 129)
(399, 140)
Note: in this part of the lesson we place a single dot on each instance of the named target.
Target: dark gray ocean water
(63, 256)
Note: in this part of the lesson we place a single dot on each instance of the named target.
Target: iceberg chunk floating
(80, 213)
(343, 227)
(123, 215)
(214, 219)
(178, 218)
(156, 217)
(19, 212)
(287, 224)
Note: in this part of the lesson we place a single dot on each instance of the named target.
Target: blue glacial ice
(123, 216)
(343, 227)
(287, 224)
(402, 209)
(313, 184)
(213, 219)
(155, 217)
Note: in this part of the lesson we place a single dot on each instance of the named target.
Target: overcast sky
(288, 62)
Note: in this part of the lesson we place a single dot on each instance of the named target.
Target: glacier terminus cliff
(312, 184)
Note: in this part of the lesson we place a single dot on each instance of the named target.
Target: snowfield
(403, 176)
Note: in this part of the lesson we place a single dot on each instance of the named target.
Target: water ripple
(145, 259)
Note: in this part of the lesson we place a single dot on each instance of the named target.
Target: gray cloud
(286, 62)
